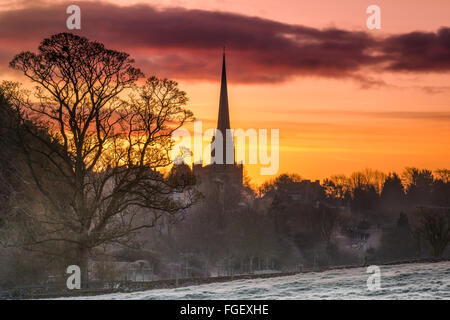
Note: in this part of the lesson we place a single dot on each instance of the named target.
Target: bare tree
(337, 187)
(102, 147)
(367, 178)
(434, 227)
(443, 175)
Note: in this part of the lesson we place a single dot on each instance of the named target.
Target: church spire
(223, 121)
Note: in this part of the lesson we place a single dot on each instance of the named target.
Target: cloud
(186, 44)
(435, 89)
(418, 51)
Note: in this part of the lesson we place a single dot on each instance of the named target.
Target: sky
(344, 97)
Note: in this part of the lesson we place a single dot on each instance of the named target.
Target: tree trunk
(83, 262)
(438, 251)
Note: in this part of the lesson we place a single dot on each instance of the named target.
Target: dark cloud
(418, 51)
(182, 43)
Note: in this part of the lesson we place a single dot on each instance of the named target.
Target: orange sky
(332, 125)
(329, 126)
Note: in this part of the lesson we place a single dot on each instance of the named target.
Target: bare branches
(93, 152)
(78, 82)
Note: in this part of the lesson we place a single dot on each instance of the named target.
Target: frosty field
(406, 281)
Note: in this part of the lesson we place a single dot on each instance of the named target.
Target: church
(219, 173)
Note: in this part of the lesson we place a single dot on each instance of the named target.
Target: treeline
(373, 190)
(289, 223)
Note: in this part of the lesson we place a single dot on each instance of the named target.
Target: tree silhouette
(419, 186)
(104, 147)
(8, 171)
(434, 227)
(392, 195)
(441, 188)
